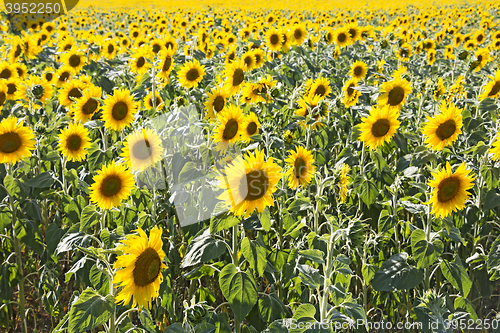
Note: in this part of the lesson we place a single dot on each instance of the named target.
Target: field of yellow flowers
(209, 166)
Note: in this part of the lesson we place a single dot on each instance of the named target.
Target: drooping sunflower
(74, 60)
(73, 142)
(394, 93)
(379, 127)
(274, 40)
(139, 268)
(230, 128)
(320, 87)
(16, 140)
(142, 149)
(71, 91)
(119, 109)
(301, 166)
(449, 192)
(166, 63)
(36, 88)
(191, 74)
(344, 182)
(216, 103)
(86, 106)
(249, 183)
(250, 127)
(444, 128)
(112, 184)
(359, 70)
(235, 76)
(492, 88)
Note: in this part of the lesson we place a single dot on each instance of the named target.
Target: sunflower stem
(237, 326)
(19, 262)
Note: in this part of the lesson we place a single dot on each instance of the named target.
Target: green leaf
(313, 255)
(203, 248)
(255, 254)
(300, 204)
(89, 217)
(386, 221)
(494, 260)
(12, 186)
(41, 181)
(456, 274)
(396, 274)
(490, 175)
(271, 308)
(147, 321)
(222, 222)
(491, 200)
(27, 231)
(99, 279)
(368, 271)
(90, 310)
(368, 192)
(378, 159)
(310, 276)
(466, 306)
(189, 173)
(239, 289)
(265, 219)
(424, 252)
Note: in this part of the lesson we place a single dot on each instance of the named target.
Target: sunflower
(249, 59)
(140, 268)
(344, 181)
(444, 128)
(166, 63)
(157, 45)
(235, 76)
(252, 93)
(298, 34)
(359, 70)
(250, 127)
(73, 60)
(479, 37)
(394, 93)
(148, 101)
(139, 61)
(351, 95)
(301, 167)
(3, 93)
(482, 56)
(310, 106)
(259, 57)
(110, 49)
(191, 74)
(142, 149)
(230, 128)
(431, 56)
(249, 183)
(230, 55)
(70, 91)
(492, 88)
(73, 142)
(170, 43)
(379, 127)
(216, 102)
(449, 192)
(404, 52)
(119, 109)
(87, 105)
(13, 86)
(274, 40)
(8, 71)
(62, 76)
(495, 150)
(22, 70)
(16, 141)
(342, 38)
(112, 184)
(320, 87)
(48, 75)
(35, 88)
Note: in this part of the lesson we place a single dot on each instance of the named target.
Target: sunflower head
(444, 128)
(112, 184)
(301, 166)
(230, 128)
(394, 93)
(379, 127)
(73, 142)
(16, 141)
(142, 149)
(191, 74)
(119, 109)
(139, 268)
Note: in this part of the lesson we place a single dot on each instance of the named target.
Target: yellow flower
(36, 88)
(16, 141)
(73, 142)
(235, 76)
(301, 167)
(492, 88)
(320, 87)
(359, 70)
(444, 128)
(250, 127)
(230, 129)
(379, 127)
(344, 181)
(142, 149)
(86, 106)
(73, 60)
(139, 268)
(119, 109)
(495, 150)
(191, 74)
(112, 184)
(394, 93)
(449, 192)
(249, 183)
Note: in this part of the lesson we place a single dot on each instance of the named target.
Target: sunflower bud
(384, 44)
(37, 91)
(463, 55)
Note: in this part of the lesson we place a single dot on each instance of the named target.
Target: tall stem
(237, 325)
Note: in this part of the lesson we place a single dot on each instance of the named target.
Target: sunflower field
(275, 166)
